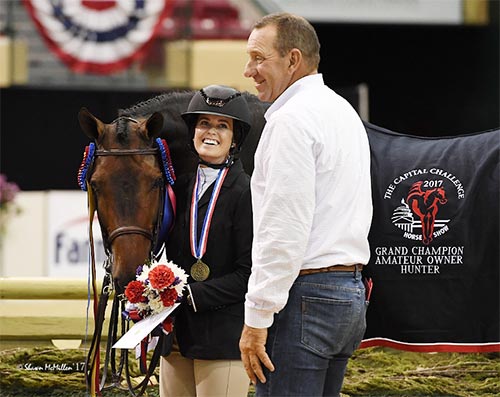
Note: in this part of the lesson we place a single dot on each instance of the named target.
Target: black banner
(434, 242)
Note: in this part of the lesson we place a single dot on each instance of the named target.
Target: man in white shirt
(311, 197)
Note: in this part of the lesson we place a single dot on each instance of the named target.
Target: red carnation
(161, 277)
(168, 297)
(134, 291)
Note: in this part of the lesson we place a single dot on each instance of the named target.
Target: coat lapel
(231, 176)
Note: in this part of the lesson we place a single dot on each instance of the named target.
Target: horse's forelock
(122, 130)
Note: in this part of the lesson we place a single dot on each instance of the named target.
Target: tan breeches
(184, 377)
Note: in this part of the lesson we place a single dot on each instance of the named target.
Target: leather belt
(334, 268)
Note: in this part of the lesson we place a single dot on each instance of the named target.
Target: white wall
(22, 251)
(50, 237)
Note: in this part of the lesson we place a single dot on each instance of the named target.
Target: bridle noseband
(129, 230)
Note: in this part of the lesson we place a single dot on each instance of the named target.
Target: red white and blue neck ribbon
(198, 247)
(99, 36)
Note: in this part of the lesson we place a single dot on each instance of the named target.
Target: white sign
(68, 252)
(141, 329)
(372, 11)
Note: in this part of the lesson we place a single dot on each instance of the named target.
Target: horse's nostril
(119, 286)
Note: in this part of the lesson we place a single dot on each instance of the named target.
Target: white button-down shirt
(311, 193)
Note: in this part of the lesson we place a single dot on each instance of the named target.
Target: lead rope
(94, 353)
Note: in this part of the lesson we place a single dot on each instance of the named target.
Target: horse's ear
(90, 124)
(154, 125)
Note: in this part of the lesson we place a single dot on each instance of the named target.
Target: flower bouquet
(156, 288)
(151, 298)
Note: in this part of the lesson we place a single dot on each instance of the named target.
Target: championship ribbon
(200, 270)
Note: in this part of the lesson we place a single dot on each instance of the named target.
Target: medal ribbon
(198, 248)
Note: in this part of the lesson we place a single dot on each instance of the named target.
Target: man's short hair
(293, 31)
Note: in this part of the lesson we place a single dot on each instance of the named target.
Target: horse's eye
(94, 186)
(158, 183)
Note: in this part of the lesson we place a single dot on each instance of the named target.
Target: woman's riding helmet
(222, 101)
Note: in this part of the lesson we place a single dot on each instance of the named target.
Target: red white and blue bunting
(98, 36)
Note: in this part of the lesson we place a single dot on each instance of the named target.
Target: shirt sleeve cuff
(258, 318)
(193, 304)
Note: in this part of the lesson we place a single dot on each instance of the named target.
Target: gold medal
(200, 271)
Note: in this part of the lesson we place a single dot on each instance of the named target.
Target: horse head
(441, 195)
(127, 186)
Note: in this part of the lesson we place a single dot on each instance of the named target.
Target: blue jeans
(312, 338)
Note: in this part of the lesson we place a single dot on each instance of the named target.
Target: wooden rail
(46, 309)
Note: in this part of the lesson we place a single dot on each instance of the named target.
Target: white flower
(156, 305)
(181, 274)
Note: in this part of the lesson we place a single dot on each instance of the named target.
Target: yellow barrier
(43, 288)
(46, 309)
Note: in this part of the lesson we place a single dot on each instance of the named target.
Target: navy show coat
(213, 331)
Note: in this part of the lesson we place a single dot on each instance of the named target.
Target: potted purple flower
(8, 207)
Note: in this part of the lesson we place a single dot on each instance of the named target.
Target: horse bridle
(122, 230)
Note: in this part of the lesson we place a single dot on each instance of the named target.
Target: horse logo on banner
(100, 37)
(424, 204)
(420, 207)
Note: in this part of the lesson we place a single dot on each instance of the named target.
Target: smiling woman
(213, 137)
(218, 119)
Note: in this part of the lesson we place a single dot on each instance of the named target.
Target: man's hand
(253, 353)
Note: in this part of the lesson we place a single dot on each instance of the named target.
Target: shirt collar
(302, 83)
